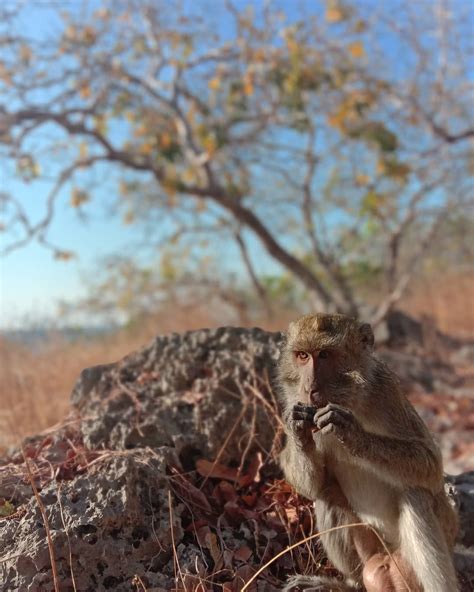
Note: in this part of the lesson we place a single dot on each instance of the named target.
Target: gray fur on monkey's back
(365, 457)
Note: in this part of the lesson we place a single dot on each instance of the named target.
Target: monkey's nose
(315, 397)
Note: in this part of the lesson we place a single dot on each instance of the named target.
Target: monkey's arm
(413, 461)
(301, 462)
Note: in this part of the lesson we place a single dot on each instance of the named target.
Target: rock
(403, 329)
(118, 509)
(410, 368)
(464, 356)
(462, 492)
(137, 427)
(182, 391)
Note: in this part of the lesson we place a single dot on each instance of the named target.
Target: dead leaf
(189, 492)
(356, 49)
(215, 470)
(250, 499)
(253, 472)
(225, 492)
(243, 553)
(214, 548)
(243, 575)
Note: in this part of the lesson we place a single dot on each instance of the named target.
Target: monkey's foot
(316, 584)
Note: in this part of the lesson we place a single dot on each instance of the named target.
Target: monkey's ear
(366, 336)
(292, 329)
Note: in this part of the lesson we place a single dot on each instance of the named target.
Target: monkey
(357, 448)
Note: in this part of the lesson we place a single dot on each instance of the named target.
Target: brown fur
(365, 456)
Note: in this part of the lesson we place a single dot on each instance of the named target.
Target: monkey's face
(326, 359)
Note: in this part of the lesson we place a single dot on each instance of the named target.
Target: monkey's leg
(332, 509)
(423, 543)
(339, 544)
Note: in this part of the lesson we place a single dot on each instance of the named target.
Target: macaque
(357, 447)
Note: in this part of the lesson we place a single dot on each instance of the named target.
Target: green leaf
(6, 508)
(377, 133)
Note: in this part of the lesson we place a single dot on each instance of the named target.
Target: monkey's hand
(300, 422)
(304, 412)
(337, 420)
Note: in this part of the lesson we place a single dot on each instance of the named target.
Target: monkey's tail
(423, 544)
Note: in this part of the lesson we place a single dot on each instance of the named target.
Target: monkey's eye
(301, 356)
(324, 354)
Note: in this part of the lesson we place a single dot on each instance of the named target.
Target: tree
(303, 132)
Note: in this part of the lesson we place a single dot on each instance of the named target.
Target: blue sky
(31, 281)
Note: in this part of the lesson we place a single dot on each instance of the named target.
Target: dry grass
(35, 385)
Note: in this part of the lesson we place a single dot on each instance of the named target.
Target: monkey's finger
(304, 414)
(308, 409)
(332, 417)
(301, 406)
(329, 429)
(335, 408)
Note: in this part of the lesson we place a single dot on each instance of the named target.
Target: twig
(58, 489)
(137, 581)
(177, 568)
(45, 521)
(317, 535)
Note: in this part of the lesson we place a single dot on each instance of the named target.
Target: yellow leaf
(169, 186)
(380, 168)
(361, 179)
(146, 148)
(338, 118)
(123, 187)
(70, 33)
(356, 49)
(189, 175)
(89, 35)
(85, 90)
(25, 54)
(165, 140)
(102, 13)
(248, 84)
(210, 145)
(334, 15)
(83, 150)
(259, 55)
(5, 74)
(140, 130)
(6, 508)
(64, 255)
(100, 123)
(78, 197)
(214, 83)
